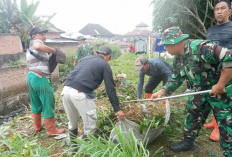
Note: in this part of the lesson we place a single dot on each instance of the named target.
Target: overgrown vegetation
(64, 69)
(21, 18)
(16, 63)
(18, 144)
(114, 47)
(99, 147)
(18, 139)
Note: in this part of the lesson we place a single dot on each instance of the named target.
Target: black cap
(36, 30)
(104, 50)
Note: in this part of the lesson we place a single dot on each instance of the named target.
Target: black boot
(185, 145)
(73, 136)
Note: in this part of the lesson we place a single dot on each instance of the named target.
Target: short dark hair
(227, 1)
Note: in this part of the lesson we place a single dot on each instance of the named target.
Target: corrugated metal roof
(61, 40)
(142, 24)
(53, 29)
(95, 30)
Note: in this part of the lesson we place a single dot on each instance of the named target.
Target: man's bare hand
(158, 94)
(120, 114)
(217, 90)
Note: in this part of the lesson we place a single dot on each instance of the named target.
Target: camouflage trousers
(198, 109)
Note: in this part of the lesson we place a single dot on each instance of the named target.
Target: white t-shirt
(34, 63)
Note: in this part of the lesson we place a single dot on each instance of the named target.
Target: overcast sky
(118, 16)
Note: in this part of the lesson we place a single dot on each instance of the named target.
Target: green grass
(126, 64)
(17, 145)
(21, 144)
(16, 63)
(104, 147)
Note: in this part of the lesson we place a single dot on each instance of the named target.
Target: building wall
(5, 59)
(10, 44)
(12, 81)
(64, 46)
(51, 35)
(14, 94)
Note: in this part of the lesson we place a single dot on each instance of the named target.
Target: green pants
(197, 110)
(41, 95)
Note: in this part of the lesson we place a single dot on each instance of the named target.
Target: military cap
(173, 35)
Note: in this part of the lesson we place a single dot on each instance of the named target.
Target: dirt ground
(204, 146)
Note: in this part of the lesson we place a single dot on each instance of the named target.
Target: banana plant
(20, 19)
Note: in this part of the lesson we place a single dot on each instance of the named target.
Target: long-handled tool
(171, 97)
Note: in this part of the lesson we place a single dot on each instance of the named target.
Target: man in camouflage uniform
(206, 66)
(221, 34)
(83, 49)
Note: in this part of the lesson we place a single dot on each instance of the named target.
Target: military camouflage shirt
(83, 50)
(201, 64)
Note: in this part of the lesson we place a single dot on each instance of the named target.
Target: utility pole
(149, 45)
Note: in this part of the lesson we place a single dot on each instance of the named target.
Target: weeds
(3, 131)
(103, 147)
(153, 123)
(64, 69)
(17, 145)
(16, 63)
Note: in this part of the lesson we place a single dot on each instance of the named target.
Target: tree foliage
(20, 19)
(192, 16)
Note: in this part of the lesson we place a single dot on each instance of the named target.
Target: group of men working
(77, 94)
(205, 64)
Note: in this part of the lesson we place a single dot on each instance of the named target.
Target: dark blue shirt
(89, 74)
(221, 34)
(157, 68)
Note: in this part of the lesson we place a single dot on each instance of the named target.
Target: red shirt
(132, 48)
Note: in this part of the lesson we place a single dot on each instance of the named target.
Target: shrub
(114, 47)
(64, 69)
(16, 63)
(98, 147)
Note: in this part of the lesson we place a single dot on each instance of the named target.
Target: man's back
(158, 67)
(87, 73)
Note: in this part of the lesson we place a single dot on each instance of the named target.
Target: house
(10, 43)
(140, 31)
(54, 32)
(54, 38)
(139, 37)
(96, 31)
